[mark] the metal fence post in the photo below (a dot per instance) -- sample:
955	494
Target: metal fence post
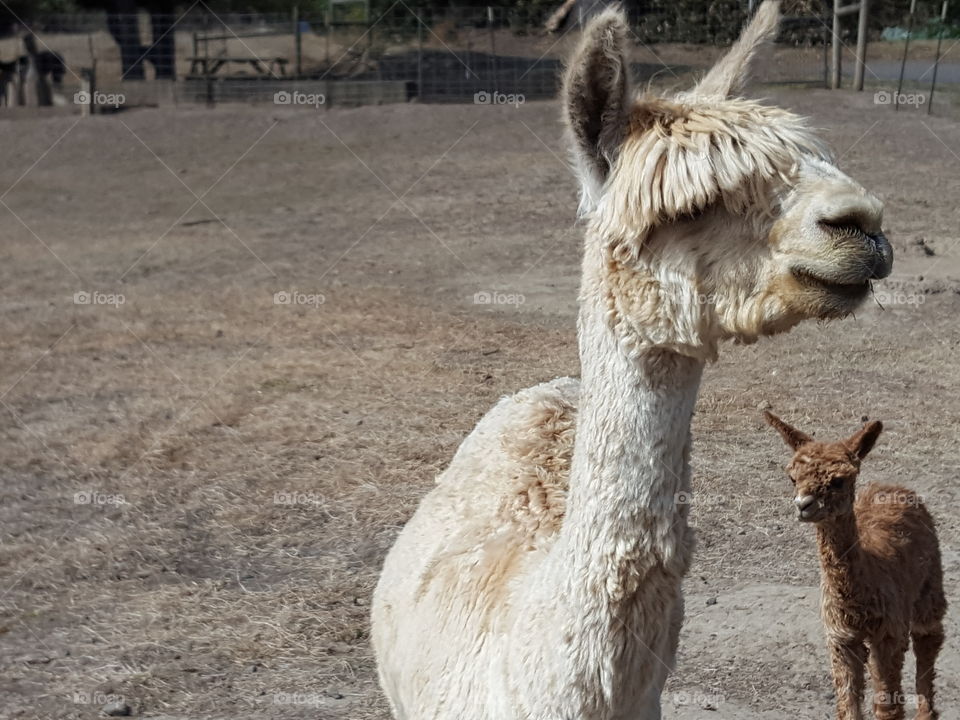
297	42
936	62
328	84
328	23
826	51
861	46
420	56
903	62
493	50
206	59
835	47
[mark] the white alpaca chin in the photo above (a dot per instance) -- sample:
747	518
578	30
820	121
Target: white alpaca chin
541	578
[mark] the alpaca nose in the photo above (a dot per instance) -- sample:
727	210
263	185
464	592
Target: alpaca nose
804	502
883	261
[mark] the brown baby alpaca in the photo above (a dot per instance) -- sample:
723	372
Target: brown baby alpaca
881	577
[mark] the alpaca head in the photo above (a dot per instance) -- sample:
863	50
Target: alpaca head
824	475
714	217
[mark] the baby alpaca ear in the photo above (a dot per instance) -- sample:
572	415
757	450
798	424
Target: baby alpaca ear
862	442
793	437
596	97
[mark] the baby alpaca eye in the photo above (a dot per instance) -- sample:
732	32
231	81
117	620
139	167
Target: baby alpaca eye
837	483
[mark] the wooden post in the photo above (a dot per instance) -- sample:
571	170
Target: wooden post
838	12
297	40
861	46
88	86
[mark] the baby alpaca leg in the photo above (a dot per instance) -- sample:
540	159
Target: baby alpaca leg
926	646
886	669
847	658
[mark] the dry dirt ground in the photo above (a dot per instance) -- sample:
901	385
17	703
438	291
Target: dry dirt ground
199	483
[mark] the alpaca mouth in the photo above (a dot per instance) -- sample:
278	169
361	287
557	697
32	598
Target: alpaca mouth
808	515
847	291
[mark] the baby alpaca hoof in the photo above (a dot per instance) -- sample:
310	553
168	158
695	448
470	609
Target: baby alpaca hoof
924	711
885	713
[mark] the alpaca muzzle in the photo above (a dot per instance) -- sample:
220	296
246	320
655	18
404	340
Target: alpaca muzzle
807	507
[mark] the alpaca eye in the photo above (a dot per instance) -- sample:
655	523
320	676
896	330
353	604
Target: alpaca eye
844	227
837	483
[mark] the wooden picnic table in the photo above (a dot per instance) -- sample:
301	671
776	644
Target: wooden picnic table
202	66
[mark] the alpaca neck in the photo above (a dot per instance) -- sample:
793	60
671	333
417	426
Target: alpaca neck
611	581
838	542
624	527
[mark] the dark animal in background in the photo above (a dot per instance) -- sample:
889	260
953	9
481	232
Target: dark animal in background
11	81
47	68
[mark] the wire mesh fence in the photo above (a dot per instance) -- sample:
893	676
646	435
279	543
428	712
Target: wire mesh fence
467	54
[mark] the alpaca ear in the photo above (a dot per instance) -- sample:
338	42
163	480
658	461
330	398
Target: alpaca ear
862	442
596	97
793	437
731	73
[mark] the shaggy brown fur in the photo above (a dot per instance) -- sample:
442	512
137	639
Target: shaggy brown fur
881	573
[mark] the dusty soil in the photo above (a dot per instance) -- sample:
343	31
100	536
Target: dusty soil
200	482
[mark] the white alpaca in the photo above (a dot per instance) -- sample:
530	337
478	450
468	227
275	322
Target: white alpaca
541	578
